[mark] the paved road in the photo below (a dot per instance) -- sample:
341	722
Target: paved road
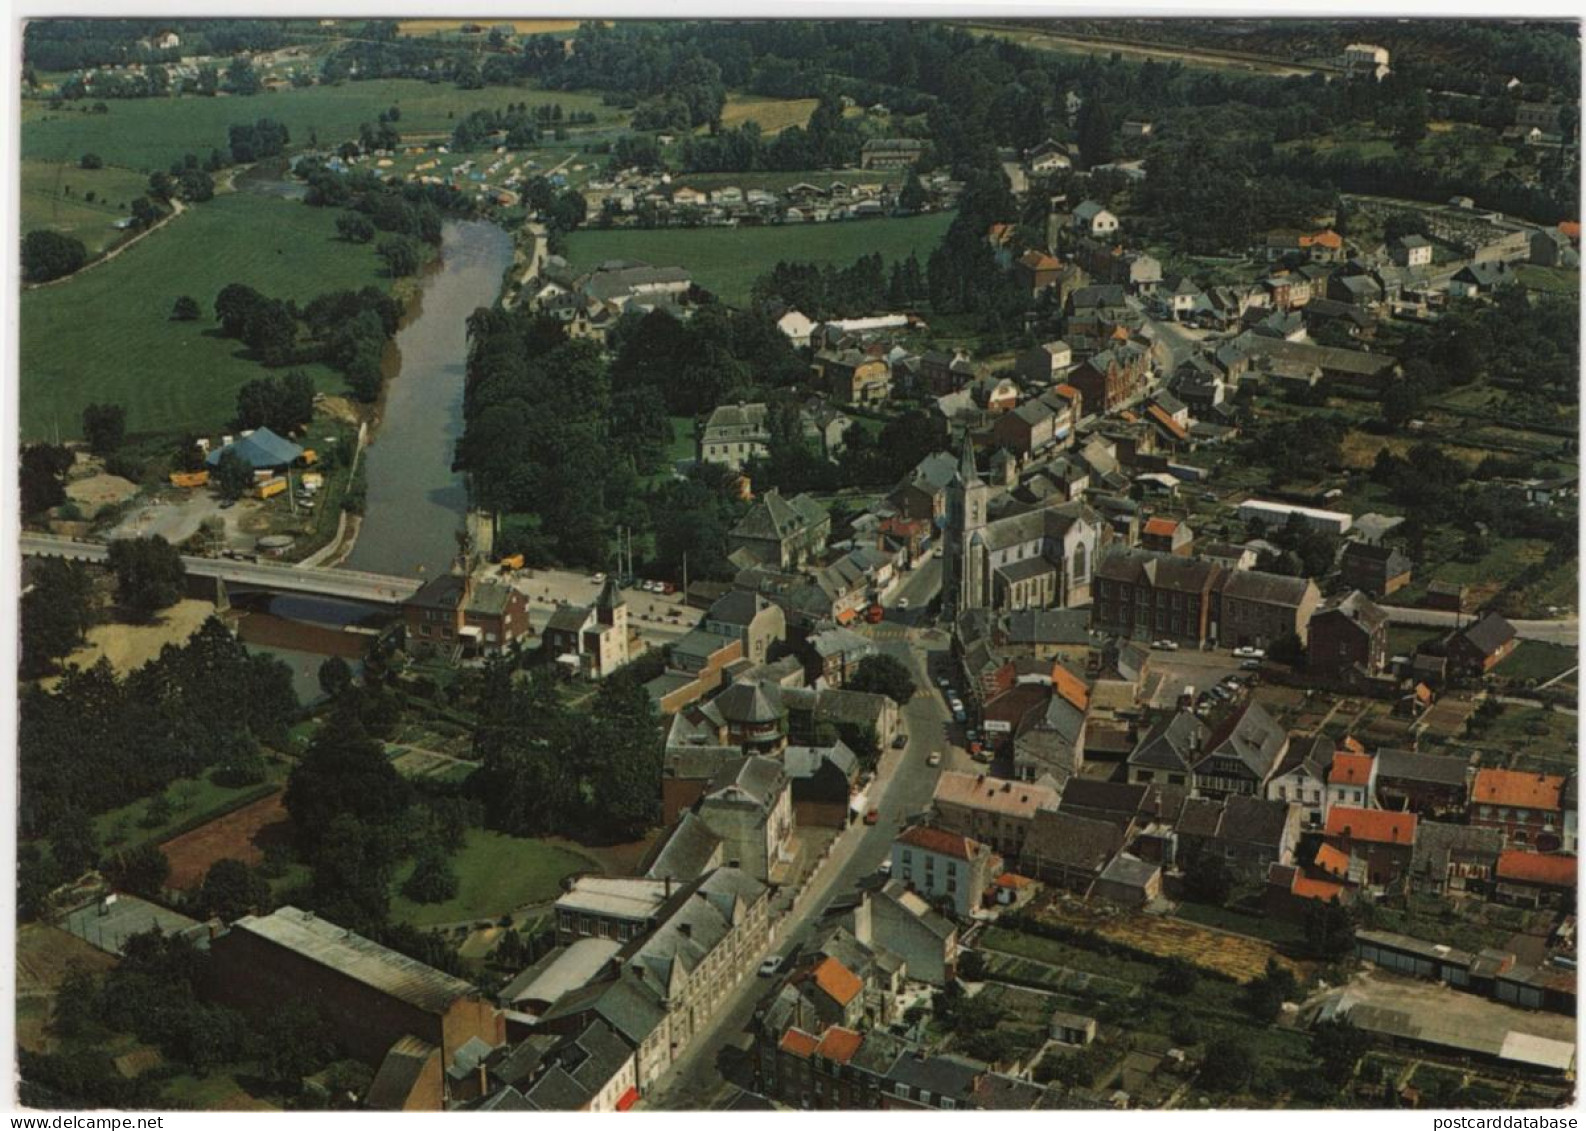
1564	630
905	786
919	588
344	584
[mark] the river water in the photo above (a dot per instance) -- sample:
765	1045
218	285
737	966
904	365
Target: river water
415	501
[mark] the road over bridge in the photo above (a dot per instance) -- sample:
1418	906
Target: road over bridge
340	584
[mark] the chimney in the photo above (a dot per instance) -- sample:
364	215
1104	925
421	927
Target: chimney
668	894
687	929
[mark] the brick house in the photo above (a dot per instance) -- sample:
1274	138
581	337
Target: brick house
1380	845
1151	596
1034	271
1349	633
1375	570
1482	646
1112	378
1528	808
1258	609
454	610
1167	536
947	869
1431	785
994	812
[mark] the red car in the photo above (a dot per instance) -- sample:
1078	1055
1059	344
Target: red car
873	817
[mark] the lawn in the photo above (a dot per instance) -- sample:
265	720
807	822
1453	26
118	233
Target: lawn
106	335
496	874
1539	661
1540	740
192	799
54	196
1550	280
728	260
1241	922
151	133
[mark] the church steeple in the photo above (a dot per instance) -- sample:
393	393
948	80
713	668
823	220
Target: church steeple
966	463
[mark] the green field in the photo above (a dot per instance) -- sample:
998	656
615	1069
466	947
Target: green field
106	335
146	134
47	203
193	800
727	261
496	874
1538	660
1552	280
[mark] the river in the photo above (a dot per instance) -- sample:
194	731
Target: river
415	501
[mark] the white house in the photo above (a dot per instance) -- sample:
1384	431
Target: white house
797	327
1094	219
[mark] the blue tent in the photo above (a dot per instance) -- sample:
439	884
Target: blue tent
263	448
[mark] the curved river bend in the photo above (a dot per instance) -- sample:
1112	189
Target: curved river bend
415	502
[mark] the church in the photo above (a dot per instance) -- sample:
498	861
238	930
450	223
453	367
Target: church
1000	552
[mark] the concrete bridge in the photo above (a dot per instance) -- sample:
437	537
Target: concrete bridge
340	584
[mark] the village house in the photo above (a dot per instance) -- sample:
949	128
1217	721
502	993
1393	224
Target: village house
1035	271
996	813
1044	364
949	870
592	641
1249	833
1155	596
1348	634
1069	851
823	782
1430	785
609	907
1375	570
1477	649
1259	609
1112	378
1450	859
735	434
1094	219
1169	751
456	611
783	533
1351	781
1380	845
1527	807
750	619
890	152
1161	535
1302	776
1241	754
852	377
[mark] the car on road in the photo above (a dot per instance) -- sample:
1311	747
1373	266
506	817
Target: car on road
873	817
900	742
935	759
1251	664
770	966
885	868
598	578
227	504
1248	653
943	682
902	603
959	716
1165	645
1222	693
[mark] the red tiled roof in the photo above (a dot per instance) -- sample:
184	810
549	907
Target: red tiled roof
939	841
1570	228
1535	868
839	1044
1162	526
1039	261
840	984
1307	888
1350	769
1377	826
1157	414
1066	390
1351	744
1070	687
1332	861
799	1043
1517	790
1013	880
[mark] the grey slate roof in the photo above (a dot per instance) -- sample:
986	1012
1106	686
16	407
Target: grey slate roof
1172	744
775	518
1130	871
1265	588
1489	634
738	608
1409	765
1251	736
1082	843
1048	626
686	852
1361	609
755	779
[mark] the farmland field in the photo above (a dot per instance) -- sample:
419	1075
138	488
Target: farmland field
151	133
770	114
46	203
727	261
106	335
241	835
496	874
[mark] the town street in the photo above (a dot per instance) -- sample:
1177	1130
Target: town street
904	786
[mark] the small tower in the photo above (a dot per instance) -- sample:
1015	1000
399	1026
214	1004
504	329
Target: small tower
611	611
1004	468
968	498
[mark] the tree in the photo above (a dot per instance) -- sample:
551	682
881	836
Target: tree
400	257
186	309
335	676
104	427
433	879
56	612
353	864
1338	1046
1177	977
233	474
50	255
1229	1066
345	772
1095	131
74	845
1264	996
912	197
1330	930
281	404
1208	879
355	228
232	889
1401	403
91	161
43	476
886	675
149	574
142	870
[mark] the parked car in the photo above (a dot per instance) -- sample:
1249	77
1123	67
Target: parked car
1250	653
1166	645
935	759
900	742
903	603
873	817
885	868
1250	665
598	578
770	966
959	716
